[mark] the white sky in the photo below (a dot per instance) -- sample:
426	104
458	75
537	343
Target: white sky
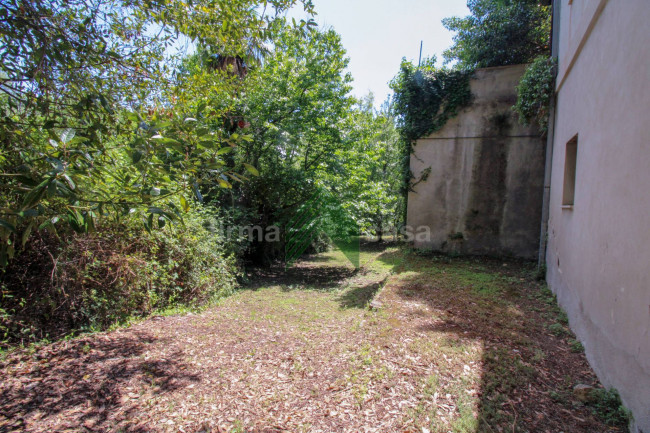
378	33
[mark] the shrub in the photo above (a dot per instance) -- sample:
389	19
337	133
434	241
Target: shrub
76	281
534	92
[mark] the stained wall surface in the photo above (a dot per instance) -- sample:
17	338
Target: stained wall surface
483	194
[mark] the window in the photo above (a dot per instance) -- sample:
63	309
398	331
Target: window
568	195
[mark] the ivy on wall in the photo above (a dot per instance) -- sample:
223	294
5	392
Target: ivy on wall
426	97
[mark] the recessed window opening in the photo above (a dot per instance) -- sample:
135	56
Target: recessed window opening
568	196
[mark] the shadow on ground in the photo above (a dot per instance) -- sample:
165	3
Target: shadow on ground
360	296
440	314
322	277
94	383
325	273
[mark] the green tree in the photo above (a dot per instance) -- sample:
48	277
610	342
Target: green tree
499	32
87	127
292	110
367	170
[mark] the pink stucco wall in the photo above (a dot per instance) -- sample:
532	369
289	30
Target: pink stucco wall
598	254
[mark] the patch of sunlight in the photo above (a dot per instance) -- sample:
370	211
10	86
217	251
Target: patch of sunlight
514	311
377	260
451	398
408	275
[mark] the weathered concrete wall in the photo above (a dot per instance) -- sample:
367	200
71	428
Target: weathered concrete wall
487	175
598	254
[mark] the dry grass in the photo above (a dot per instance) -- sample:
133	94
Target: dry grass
458	346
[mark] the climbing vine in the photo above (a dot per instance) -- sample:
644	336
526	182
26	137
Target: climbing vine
425	98
534	92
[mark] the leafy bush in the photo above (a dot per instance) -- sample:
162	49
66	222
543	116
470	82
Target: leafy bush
97	279
95	122
534	92
298	108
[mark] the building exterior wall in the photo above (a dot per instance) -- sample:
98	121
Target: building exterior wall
598	254
484	191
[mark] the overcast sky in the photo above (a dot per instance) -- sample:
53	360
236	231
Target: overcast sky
378	33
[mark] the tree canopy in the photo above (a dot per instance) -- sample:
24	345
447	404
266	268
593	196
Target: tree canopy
305	133
122	156
499	32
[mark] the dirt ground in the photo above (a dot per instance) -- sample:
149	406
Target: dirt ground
447	345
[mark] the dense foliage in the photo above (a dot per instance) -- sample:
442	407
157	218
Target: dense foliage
295	103
88	129
304	133
500	32
116	149
365	173
534	92
98	155
426	97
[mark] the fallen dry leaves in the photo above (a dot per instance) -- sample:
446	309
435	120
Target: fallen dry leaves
299	351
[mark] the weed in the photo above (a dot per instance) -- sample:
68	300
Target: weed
544	294
607	405
539	356
503	373
576	346
456	236
238	427
466	422
558	330
429	388
485	283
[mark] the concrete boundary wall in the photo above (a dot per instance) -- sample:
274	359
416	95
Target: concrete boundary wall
483	194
